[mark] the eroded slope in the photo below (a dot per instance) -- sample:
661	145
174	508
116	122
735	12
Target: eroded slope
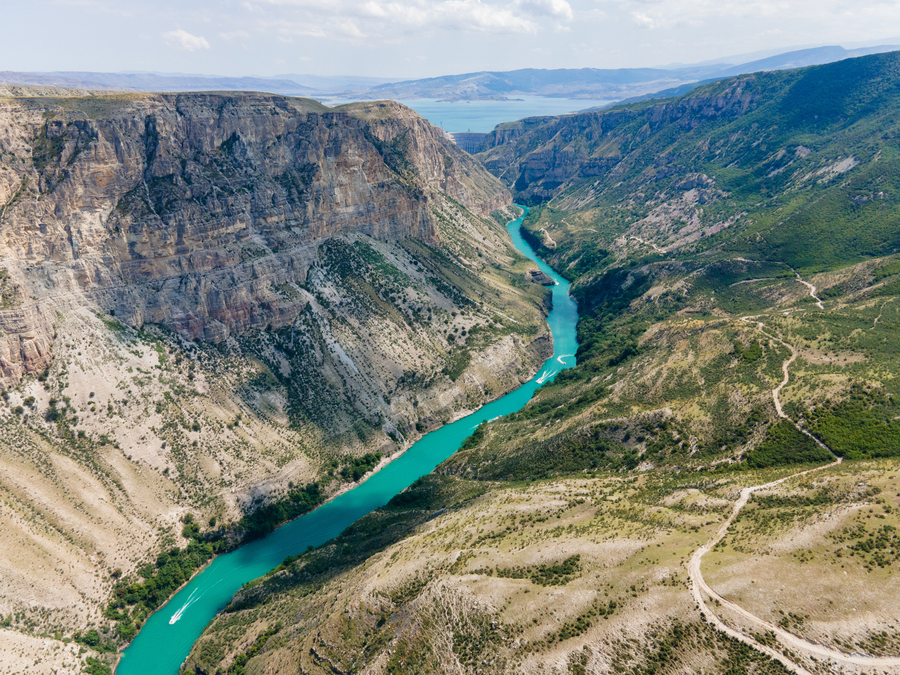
734	256
218	311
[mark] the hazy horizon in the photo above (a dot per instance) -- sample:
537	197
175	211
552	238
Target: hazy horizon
410	39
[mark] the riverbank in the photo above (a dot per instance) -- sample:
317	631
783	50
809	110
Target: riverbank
235	544
211	590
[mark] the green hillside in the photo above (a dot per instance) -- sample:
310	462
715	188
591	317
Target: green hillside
718	206
734	254
795	166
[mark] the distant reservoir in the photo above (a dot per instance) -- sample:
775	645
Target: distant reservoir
482	116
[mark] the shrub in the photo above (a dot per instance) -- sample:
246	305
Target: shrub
785	444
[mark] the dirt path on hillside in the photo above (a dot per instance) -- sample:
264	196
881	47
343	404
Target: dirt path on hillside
647	243
810	287
812	290
880	314
699	585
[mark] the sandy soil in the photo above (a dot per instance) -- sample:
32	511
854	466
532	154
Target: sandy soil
25	655
793	578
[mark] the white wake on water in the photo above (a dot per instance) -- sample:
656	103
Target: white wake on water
490	420
547	374
191	600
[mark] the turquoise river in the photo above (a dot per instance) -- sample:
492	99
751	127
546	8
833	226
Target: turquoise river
166	638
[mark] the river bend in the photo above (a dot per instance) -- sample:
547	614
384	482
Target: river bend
168	635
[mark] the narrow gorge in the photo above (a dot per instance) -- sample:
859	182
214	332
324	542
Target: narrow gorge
220	312
213	307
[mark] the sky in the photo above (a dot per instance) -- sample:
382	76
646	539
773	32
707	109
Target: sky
417	38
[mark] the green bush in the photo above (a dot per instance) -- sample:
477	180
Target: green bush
785	444
861	427
96	667
357	467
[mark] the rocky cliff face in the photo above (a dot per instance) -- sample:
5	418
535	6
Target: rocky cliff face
187	210
222	297
413	147
540	157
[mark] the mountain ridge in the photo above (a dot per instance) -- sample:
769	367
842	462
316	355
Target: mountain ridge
584	83
598	83
218	310
735	258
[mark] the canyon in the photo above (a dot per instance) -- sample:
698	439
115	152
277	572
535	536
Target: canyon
219	311
672	503
210	298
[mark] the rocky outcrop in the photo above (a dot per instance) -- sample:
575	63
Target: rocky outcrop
538	277
540	157
431	155
27	335
190	210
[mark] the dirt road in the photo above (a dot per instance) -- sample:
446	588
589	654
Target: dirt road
699	587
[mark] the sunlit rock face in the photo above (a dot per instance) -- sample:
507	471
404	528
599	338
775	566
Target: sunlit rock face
190	210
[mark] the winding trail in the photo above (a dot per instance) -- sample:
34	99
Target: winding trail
699	585
647	243
880	314
812	289
548	240
748	281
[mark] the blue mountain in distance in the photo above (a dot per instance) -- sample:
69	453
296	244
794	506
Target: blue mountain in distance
804	57
586	83
335	83
616	84
152	82
796	59
595	83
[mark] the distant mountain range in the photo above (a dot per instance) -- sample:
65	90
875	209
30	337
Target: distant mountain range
581	83
594	83
584	83
800	58
154	82
325	84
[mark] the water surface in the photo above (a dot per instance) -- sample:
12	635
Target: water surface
483	116
166	638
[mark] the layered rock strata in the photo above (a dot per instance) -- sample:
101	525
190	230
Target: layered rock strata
186	210
208	299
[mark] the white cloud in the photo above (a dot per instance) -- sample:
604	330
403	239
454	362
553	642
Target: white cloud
356	19
669	13
234	35
386	37
555	8
184	40
642	20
